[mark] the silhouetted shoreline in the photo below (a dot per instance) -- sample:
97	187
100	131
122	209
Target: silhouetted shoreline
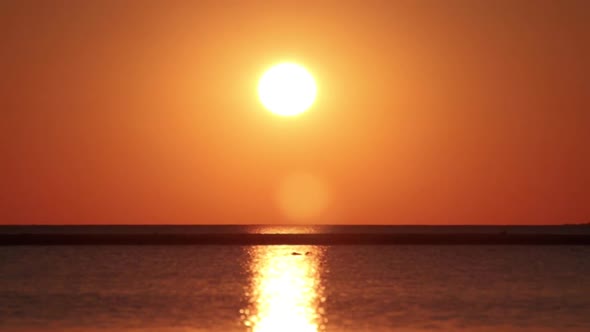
294	239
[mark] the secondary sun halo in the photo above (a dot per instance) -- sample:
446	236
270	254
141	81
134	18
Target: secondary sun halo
287	89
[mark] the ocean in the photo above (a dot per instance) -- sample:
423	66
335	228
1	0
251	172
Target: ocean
304	288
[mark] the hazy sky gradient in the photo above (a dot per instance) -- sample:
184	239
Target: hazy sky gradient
430	112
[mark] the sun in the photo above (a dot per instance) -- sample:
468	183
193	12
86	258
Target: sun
287	89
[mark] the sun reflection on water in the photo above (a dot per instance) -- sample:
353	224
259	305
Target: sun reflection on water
285	292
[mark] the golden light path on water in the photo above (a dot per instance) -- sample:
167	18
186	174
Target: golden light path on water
286	292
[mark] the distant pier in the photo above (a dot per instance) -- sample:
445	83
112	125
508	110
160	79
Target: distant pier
294	239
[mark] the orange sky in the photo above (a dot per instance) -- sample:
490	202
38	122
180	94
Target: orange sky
428	112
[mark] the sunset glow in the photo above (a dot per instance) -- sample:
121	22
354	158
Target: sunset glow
406	112
295	166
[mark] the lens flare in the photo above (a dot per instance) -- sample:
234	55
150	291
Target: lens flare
302	197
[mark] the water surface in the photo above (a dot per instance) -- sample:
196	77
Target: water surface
269	288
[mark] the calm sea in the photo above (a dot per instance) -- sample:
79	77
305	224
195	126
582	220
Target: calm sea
294	288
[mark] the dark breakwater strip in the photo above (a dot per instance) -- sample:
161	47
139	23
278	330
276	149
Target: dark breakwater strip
293	239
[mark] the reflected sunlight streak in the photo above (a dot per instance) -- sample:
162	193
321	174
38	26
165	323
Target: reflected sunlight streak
286	292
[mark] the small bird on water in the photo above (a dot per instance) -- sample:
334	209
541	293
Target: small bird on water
295	253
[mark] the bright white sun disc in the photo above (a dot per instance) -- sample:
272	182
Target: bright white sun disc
287	89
